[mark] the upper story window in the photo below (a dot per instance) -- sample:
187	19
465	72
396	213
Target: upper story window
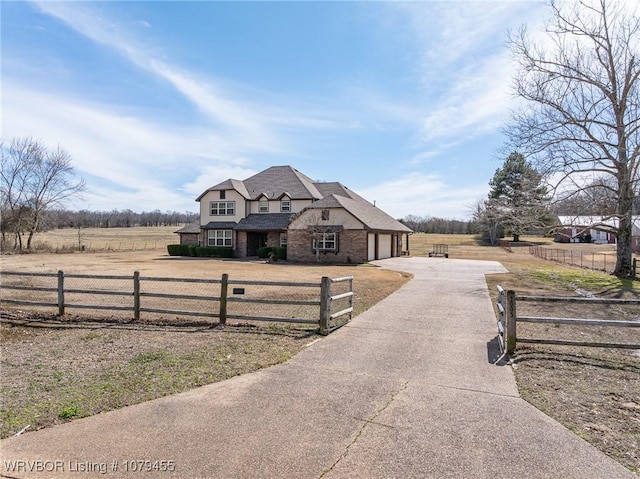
325	215
285	206
227	208
223	194
263	206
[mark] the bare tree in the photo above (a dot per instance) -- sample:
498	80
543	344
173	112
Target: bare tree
581	116
488	215
34	180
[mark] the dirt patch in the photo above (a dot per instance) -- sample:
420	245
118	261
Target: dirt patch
593	392
55	369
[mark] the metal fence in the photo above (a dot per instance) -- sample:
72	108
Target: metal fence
328	303
598	261
99	246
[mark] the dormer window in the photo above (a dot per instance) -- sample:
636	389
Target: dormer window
263	206
285	206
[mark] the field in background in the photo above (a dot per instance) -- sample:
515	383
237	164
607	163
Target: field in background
107	239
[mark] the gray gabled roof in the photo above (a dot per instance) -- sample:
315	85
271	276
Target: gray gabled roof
337	188
191	228
265	222
229	184
373	218
275	181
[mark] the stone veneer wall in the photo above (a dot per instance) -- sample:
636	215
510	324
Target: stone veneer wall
352	247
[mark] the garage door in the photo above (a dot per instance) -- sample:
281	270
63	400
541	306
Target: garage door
384	246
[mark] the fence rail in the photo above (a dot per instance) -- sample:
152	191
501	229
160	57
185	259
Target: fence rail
328	303
508	318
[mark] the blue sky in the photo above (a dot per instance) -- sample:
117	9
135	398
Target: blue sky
157	101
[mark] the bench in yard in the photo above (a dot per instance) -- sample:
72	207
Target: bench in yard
440	250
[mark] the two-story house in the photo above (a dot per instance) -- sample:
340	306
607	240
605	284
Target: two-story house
280	206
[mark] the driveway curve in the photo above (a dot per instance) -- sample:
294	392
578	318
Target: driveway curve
406	390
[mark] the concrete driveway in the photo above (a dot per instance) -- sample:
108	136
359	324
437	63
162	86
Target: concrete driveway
407	390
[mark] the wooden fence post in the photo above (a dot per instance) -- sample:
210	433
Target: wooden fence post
60	293
325	305
224	287
136	295
510	322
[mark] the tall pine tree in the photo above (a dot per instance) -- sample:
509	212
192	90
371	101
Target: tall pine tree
518	193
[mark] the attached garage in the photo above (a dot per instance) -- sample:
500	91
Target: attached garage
379	246
384	246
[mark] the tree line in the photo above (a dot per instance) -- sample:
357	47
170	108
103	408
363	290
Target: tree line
430	224
116	218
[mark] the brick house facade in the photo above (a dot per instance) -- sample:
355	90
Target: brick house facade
280	206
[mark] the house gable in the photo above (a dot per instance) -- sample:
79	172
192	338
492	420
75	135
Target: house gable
213	208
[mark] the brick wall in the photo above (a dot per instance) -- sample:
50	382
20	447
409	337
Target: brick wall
241	244
189	238
273	239
352	247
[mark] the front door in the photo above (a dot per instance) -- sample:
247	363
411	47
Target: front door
255	241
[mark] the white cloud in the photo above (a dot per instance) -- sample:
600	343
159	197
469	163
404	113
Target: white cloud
465	65
212	175
422	195
127	160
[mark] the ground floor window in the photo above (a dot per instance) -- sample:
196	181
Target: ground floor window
283	240
220	238
325	241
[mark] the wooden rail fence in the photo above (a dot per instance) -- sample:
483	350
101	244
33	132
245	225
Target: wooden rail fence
140	300
508	319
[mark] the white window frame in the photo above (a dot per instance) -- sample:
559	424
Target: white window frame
220	238
285	206
325	241
222	208
283	240
263	206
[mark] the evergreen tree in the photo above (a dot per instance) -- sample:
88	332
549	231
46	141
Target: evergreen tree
519	195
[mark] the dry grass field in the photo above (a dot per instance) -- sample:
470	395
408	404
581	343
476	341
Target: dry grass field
107	239
56	369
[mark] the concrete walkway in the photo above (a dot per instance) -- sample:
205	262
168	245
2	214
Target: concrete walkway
407	390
